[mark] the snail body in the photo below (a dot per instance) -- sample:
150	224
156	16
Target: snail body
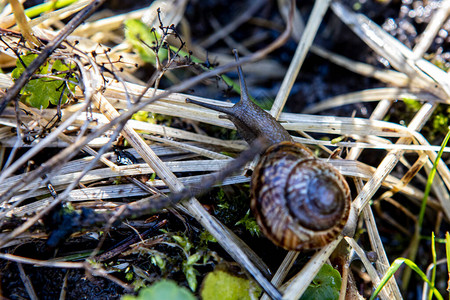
299	202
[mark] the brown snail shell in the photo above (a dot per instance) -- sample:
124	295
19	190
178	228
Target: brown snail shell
299	202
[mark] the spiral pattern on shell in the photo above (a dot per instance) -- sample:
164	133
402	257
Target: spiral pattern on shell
299	201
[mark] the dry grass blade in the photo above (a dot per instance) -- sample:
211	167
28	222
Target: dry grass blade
368	265
22	21
42	263
372	95
388	76
432	29
232	26
393	55
194	149
27	282
382	263
60	13
282	271
401	58
319	10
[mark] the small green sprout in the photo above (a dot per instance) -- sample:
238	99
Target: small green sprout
249	222
196	255
189	269
158	260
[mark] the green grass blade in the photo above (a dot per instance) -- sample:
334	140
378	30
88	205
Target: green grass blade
418	228
47	6
433	271
447	251
394	267
430	181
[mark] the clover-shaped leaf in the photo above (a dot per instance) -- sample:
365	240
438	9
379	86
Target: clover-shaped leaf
326	285
40	92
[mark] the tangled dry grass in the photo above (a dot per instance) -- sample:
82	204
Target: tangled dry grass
108	94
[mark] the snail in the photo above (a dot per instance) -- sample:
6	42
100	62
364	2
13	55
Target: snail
299	202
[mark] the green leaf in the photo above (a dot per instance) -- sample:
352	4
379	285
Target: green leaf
42	91
39	93
27	59
326	285
221	285
164	289
183	241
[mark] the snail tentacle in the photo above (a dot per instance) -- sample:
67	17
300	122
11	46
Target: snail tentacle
223	109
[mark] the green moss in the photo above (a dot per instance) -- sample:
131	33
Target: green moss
231	205
221	285
412	105
249	222
143	116
437	126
